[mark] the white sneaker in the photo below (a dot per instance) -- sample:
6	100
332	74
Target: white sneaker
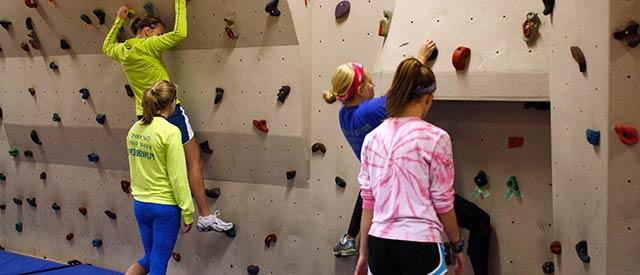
212	222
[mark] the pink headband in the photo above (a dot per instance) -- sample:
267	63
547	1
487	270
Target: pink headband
355	84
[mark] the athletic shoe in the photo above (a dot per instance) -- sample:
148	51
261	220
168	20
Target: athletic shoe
345	247
213	223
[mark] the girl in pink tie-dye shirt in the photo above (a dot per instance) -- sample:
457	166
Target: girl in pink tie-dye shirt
406	180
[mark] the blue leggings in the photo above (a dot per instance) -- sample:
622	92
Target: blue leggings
159	225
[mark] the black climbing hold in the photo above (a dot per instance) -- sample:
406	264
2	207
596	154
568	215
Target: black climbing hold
28	154
111	215
205	148
35	138
270	239
212	192
56	117
578	56
342	9
3	177
31	3
24	46
253	270
481	179
96	243
32	91
17	201
548	268
3	206
582	250
93	157
548	6
219	94
630	33
341	182
283	93
126	186
100	14
433	55
83	210
272	8
34	41
84	93
32	202
19	227
5	24
291	174
101	118
14	152
29	23
69	237
539	105
53	66
74	262
593	137
176	256
43	175
64	44
318	147
1	113
148	8
130	93
55	206
231	233
86	19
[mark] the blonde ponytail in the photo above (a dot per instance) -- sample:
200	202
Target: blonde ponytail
156	99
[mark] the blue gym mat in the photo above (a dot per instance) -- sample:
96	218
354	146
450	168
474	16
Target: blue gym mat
11	263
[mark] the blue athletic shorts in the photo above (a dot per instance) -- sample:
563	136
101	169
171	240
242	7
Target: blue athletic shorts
180	120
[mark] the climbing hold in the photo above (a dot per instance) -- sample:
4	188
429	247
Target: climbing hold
481	180
131	13
283	93
55	206
100	14
29	23
24	46
270	239
341	182
515	142
272	8
460	55
32	202
212	192
231	233
93	157
433	55
111	215
43	175
130	93
32	91
540	106
31	3
74	262
19	227
3	177
84	93
35	138
96	243
556	247
53	66
87	21
33	40
5	24
318	147
530	28
101	119
204	146
582	250
69	237
630	33
578	56
3	206
627	133
385	23
342	9
261	125
291	174
176	256
219	94
126	186
64	44
548	6
548	268
148	8
17	201
28	154
83	210
52	3
593	137
230	29
512	188
56	117
253	270
14	152
1	113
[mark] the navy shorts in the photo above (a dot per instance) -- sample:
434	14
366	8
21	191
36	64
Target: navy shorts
180	120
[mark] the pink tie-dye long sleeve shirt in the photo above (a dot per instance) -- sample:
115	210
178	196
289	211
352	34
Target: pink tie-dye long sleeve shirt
406	177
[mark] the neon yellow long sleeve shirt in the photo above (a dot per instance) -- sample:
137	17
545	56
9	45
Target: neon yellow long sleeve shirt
158	167
141	58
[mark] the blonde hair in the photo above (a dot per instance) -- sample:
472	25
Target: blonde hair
410	74
341	81
157	98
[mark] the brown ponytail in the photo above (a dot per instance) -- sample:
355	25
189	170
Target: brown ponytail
411	73
156	99
138	23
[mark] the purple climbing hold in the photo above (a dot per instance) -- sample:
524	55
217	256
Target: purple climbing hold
342	9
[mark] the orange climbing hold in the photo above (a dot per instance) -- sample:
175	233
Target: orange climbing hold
460	55
31	3
515	142
261	125
627	133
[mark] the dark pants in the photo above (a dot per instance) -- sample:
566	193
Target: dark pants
469	216
394	257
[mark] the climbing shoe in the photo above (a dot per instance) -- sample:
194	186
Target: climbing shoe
213	223
345	247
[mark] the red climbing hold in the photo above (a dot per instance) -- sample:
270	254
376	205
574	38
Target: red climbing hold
69	237
460	55
385	23
556	247
627	133
515	142
261	125
31	3
25	47
126	186
270	239
578	56
176	256
83	210
204	147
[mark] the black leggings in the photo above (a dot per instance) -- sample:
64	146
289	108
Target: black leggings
391	257
469	215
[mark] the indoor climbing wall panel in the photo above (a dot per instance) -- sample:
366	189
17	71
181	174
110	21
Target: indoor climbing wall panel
502	66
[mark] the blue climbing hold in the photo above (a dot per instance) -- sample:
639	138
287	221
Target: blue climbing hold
101	118
272	8
231	233
96	243
593	137
93	157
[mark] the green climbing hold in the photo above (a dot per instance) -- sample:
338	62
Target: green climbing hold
56	117
19	227
14	152
481	181
148	8
512	188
